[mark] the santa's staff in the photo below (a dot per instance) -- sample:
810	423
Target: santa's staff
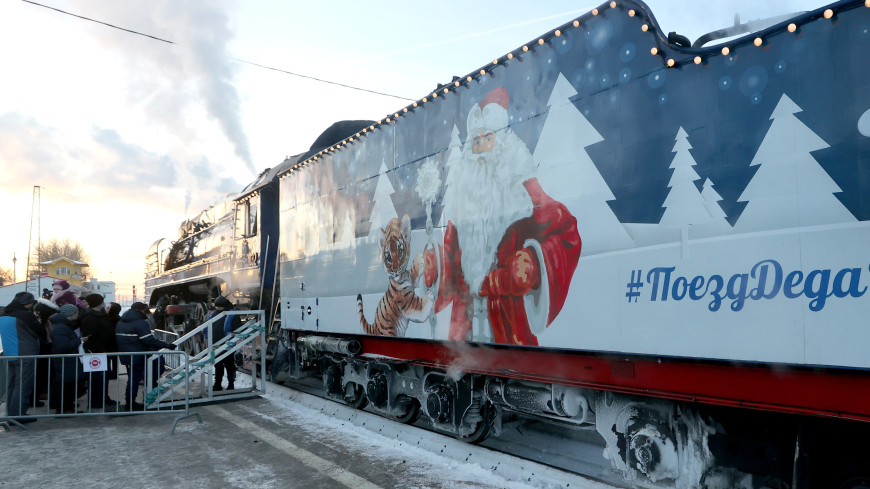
428	184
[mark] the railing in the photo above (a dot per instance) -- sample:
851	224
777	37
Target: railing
36	373
200	365
167	376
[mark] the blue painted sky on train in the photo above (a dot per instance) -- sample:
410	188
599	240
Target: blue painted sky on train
128	135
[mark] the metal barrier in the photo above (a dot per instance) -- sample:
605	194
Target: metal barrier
29	378
212	352
168	337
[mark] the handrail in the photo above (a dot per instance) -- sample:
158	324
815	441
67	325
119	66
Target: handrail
213	353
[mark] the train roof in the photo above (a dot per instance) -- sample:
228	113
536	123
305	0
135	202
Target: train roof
338	131
267	176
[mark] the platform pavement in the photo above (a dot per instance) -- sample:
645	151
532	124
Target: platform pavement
244	444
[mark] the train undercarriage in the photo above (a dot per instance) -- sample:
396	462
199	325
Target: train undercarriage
650	443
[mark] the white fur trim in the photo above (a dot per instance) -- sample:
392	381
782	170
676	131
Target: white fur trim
537	302
492	118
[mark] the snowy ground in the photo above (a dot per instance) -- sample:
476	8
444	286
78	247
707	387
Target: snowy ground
433	457
283	440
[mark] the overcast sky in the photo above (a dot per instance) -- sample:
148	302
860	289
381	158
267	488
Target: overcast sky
127	135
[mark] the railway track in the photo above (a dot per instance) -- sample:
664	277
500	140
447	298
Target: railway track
527	450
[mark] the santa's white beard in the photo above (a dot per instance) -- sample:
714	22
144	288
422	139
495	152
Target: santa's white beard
484	197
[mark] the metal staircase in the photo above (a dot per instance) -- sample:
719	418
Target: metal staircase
174	386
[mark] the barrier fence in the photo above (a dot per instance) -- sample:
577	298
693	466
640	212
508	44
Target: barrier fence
50	386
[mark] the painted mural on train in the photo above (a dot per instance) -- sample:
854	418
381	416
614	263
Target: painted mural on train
582	196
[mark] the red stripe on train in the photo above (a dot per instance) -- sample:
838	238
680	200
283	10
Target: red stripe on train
821	392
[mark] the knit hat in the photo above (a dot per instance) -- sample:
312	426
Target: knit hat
24	298
48	303
63	284
222	301
68	310
94	300
141	307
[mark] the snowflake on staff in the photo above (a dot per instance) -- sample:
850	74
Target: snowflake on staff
428	181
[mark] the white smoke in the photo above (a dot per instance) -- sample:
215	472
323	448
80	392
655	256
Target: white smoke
169	82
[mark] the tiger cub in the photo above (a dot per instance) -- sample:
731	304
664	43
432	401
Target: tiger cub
400	304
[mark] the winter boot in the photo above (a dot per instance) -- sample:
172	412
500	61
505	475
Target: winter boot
232	380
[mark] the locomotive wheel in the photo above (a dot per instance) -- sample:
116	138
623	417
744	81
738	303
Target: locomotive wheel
412	412
481	431
857	483
355	396
200	313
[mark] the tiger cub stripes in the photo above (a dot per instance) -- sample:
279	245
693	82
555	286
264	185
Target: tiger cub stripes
399	304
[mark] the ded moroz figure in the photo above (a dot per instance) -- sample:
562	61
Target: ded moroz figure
509	249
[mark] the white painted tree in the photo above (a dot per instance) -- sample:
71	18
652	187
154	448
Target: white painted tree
684	205
347	235
383	210
790	188
455	148
711	201
453	158
567	173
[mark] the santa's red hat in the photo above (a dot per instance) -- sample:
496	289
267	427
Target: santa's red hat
491	114
498	96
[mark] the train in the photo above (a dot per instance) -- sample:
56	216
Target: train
607	227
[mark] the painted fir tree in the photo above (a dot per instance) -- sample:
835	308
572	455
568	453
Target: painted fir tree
568	174
711	202
383	210
684	205
790	188
348	233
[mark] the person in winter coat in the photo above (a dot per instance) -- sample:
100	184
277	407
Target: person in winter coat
19	335
97	327
220	328
43	309
62	295
64	340
134	335
114	312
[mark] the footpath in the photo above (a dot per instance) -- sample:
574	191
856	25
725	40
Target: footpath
261	442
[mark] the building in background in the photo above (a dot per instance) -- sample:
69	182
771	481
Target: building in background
40	284
70	270
104	288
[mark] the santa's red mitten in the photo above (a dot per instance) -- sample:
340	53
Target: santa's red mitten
430	269
520	274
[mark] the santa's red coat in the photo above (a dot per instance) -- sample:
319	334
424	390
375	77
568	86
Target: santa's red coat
553	227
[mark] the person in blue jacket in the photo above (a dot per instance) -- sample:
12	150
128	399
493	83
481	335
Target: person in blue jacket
133	334
19	335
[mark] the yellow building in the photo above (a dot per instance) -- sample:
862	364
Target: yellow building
70	270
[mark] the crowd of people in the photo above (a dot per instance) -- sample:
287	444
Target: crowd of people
62	323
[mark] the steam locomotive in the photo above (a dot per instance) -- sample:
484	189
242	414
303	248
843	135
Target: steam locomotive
605	227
